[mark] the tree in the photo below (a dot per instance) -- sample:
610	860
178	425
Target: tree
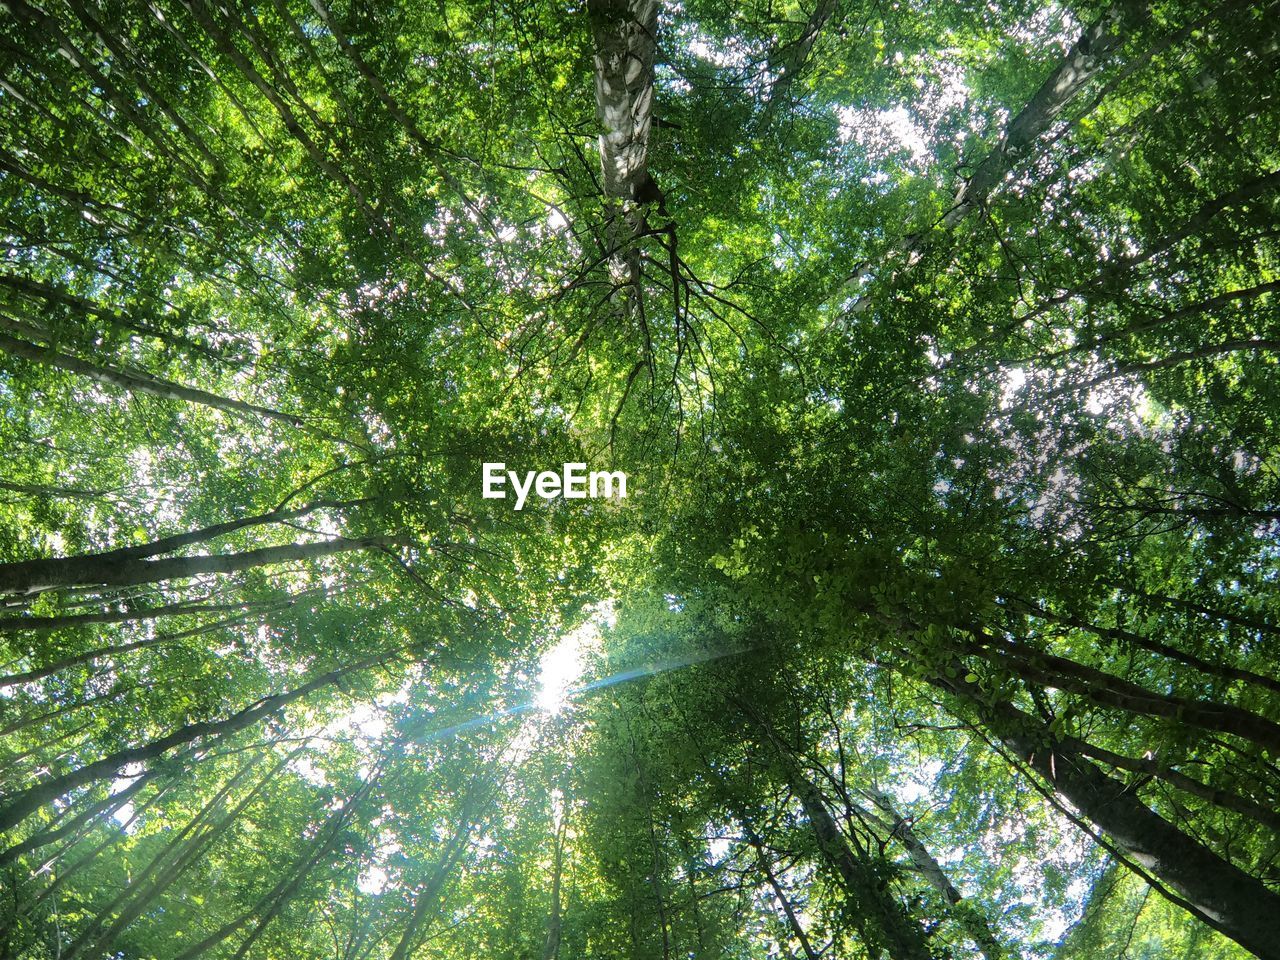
937	342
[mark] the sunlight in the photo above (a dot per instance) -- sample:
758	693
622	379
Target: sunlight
561	666
373	880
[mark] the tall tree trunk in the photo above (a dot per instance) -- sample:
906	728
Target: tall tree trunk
1087	56
1221	894
427	898
1107	690
134	382
883	923
269	905
793	921
788	62
551	948
26	576
196	848
971	919
26	802
1211	668
88	656
99	571
624	33
1225	799
170	852
107	805
182	608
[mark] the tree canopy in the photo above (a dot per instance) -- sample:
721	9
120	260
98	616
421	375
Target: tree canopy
938	343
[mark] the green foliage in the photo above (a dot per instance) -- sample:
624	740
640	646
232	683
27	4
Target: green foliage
941	620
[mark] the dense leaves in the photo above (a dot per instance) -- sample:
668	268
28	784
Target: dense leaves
938	342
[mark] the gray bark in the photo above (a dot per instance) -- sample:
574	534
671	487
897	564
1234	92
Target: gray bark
973	922
22	804
1224	896
1087	56
134	382
95	571
624	34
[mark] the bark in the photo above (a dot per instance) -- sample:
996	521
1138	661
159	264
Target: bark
122	53
134	382
624	33
63	569
273	901
1229	298
107	805
26	802
1114	270
789	61
1190	606
625	37
1171	360
973	922
784	901
1083	61
1224	896
427	898
40	490
1127	637
172	847
96	572
142	897
88	656
1087	56
102	313
113	837
1225	799
121	100
201	11
183	608
1111	691
551	947
885	924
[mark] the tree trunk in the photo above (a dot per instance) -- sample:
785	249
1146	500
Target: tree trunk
884	923
134	382
107	805
624	33
784	901
195	849
551	948
183	608
1221	894
1225	799
973	922
1211	668
102	570
88	656
1111	691
64	571
273	901
22	804
792	58
171	848
427	898
1083	61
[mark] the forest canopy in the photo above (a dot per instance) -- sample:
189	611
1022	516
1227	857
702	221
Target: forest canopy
937	343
